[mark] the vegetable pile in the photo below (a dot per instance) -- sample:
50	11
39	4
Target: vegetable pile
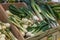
56	9
32	19
5	32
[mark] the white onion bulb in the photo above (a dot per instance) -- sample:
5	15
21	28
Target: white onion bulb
24	19
29	34
3	35
35	18
0	27
0	33
7	24
2	38
3	27
25	26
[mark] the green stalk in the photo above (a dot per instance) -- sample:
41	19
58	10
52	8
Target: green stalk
56	8
51	11
50	16
11	35
40	26
14	21
3	31
31	13
38	8
36	11
17	18
18	26
7	38
28	12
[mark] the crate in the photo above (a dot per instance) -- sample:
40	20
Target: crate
4	18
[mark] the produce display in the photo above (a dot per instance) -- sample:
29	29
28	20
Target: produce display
36	18
5	32
33	19
54	6
56	9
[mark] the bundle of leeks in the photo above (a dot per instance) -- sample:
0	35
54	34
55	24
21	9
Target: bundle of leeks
21	23
47	18
5	33
32	20
56	9
48	15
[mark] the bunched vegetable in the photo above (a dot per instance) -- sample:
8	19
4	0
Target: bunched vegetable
5	32
33	20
